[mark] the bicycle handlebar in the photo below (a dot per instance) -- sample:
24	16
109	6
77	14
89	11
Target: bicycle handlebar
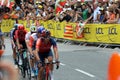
46	63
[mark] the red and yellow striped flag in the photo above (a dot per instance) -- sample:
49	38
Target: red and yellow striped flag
68	32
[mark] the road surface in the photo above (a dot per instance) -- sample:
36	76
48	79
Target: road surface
77	62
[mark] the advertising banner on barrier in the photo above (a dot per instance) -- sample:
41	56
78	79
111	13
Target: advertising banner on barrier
51	27
41	22
89	32
59	29
24	22
7	25
102	33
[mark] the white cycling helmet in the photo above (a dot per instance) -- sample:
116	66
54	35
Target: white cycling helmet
33	28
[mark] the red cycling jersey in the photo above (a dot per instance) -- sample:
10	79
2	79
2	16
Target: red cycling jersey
20	34
45	47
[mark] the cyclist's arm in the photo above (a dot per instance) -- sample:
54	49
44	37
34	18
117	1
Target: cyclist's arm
17	40
30	45
37	50
55	49
27	41
2	37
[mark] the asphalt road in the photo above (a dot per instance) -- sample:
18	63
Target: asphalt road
77	62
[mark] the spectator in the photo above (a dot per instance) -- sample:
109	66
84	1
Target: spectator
112	15
115	5
84	11
102	17
96	11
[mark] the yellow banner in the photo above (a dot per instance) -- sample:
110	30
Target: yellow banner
7	25
101	33
51	26
59	29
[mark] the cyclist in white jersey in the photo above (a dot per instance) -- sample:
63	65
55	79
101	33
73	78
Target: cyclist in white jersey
33	29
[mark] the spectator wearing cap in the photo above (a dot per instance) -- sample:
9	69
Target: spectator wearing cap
102	17
84	11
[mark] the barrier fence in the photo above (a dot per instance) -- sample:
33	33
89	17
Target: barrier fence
103	33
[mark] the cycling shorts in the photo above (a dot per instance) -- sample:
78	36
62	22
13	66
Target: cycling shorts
42	56
23	44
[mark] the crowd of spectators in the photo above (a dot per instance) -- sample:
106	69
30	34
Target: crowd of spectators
73	11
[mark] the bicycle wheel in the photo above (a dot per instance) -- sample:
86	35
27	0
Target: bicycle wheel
48	76
26	65
17	58
44	75
28	69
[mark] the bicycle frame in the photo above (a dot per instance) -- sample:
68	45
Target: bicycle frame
24	66
46	71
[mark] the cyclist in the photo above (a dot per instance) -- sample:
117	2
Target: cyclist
43	50
32	42
33	29
13	42
1	40
20	37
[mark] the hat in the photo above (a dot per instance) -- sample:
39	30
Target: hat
101	9
67	4
40	6
83	3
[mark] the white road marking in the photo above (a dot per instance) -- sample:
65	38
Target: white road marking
62	64
86	73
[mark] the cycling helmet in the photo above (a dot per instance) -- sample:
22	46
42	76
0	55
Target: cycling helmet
15	26
40	29
20	27
45	34
33	28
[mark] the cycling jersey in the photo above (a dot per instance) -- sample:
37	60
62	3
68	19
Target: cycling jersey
27	36
1	39
43	47
33	39
20	34
1	34
12	34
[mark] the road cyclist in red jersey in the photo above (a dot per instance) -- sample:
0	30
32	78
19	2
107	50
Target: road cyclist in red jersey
32	43
44	51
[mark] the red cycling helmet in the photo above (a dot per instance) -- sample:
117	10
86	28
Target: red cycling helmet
21	27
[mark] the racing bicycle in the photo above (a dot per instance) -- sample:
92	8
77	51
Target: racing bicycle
46	70
23	63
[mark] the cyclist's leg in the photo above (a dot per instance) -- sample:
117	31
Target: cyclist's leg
14	52
51	66
50	59
40	69
32	63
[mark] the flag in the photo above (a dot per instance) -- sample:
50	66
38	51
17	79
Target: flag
78	33
7	3
59	3
68	32
2	2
